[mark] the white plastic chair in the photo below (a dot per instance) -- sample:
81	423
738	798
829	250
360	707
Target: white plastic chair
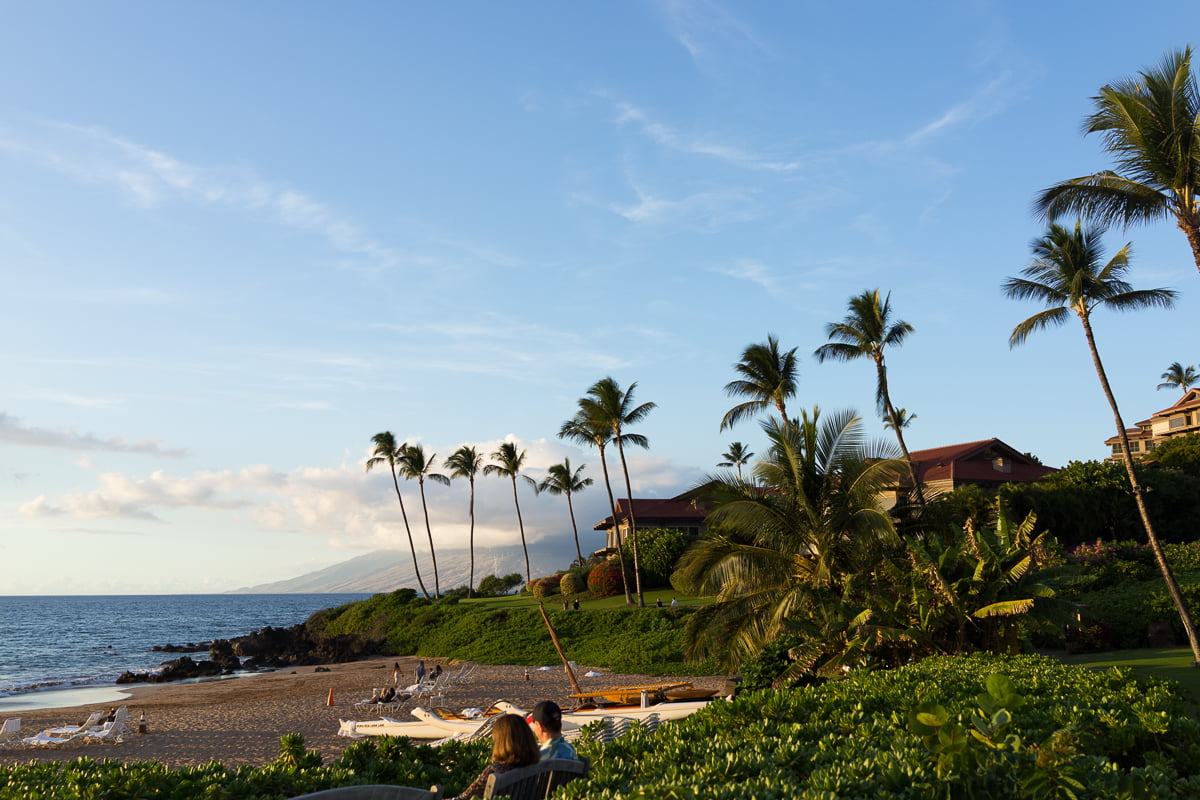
10	730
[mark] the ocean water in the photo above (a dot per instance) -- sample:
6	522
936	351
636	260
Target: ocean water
51	644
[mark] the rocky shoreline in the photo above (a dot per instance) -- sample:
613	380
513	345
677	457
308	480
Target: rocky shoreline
268	648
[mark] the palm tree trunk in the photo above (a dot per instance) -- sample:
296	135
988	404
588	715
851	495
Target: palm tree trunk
1191	228
521	526
637	572
471	514
437	589
408	530
574	527
1140	499
895	418
612	505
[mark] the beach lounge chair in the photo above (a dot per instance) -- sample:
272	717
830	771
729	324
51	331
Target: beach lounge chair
94	721
537	781
376	792
10	730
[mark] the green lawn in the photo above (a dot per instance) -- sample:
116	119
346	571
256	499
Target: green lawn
1174	663
525	600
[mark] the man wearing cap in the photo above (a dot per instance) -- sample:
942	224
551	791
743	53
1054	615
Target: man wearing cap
547	727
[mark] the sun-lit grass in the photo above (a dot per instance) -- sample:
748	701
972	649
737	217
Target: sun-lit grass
525	600
1173	663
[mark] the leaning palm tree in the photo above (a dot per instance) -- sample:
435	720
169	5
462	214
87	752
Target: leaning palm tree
583	430
867	329
561	480
606	403
767	377
466	462
388	452
1178	376
781	548
414	464
737	455
1151	125
1067	276
507	463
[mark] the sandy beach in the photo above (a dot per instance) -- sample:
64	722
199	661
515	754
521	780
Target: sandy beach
240	720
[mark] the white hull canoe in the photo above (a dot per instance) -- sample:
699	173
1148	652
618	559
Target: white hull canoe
665	711
456	724
385	726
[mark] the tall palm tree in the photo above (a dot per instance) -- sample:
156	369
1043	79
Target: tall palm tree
414	464
1178	376
767	377
560	480
1151	125
388	452
737	455
607	403
506	463
466	462
583	430
1067	276
865	332
780	559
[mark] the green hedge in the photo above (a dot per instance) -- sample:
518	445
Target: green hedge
637	640
932	730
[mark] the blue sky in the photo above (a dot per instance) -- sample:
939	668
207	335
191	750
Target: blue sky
239	239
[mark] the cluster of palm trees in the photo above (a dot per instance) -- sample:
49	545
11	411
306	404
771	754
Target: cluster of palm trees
605	412
777	558
1150	123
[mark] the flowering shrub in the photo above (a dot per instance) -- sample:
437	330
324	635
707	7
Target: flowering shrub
544	587
605	579
1102	552
572	583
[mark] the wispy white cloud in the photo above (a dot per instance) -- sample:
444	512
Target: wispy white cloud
706	29
707	210
149	177
668	137
13	431
746	269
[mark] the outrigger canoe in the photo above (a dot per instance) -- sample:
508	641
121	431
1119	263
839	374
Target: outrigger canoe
386	726
646	693
592	712
453	722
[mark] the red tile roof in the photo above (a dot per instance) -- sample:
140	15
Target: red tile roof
654	509
973	462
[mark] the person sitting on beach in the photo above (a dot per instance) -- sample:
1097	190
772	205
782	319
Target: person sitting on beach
547	727
513	746
437	672
387	695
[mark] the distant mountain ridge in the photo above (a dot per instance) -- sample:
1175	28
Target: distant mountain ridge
388	570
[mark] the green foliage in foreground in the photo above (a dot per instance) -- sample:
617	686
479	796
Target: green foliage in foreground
637	640
296	772
972	727
943	728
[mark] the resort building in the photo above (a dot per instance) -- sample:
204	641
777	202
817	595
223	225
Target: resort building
677	513
987	463
1177	420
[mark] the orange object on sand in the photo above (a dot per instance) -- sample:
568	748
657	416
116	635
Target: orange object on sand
329	702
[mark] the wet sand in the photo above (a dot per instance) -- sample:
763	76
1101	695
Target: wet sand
240	721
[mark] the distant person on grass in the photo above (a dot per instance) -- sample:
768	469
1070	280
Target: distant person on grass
513	746
547	727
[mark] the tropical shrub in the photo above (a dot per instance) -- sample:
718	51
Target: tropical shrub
979	726
545	587
572	583
605	579
658	549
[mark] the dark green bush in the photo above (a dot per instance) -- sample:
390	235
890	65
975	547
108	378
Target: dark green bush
943	728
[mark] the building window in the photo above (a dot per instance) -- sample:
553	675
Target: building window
1151	445
1177	422
1133	446
1117	448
